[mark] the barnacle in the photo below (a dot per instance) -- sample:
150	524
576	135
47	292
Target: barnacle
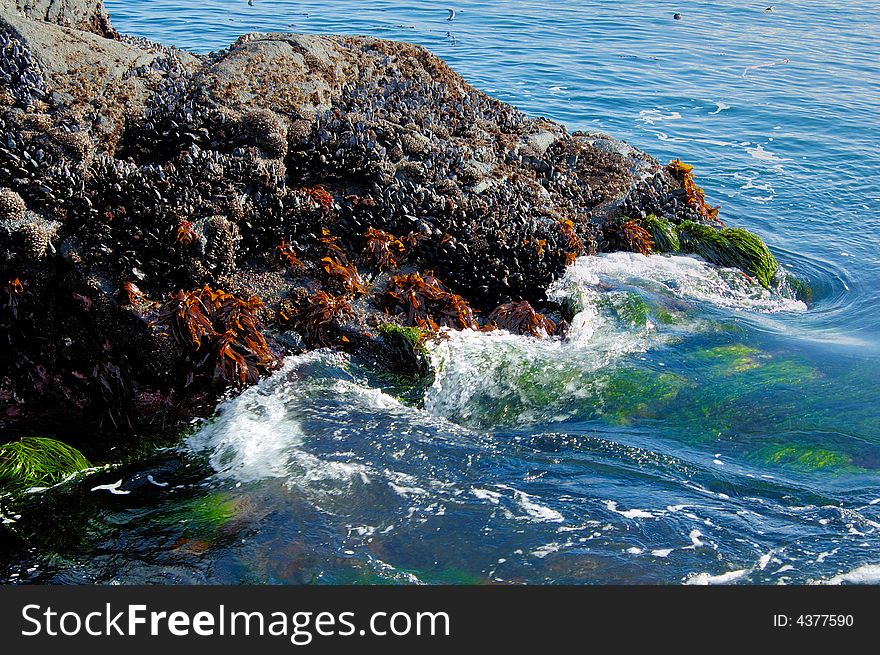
383	248
696	197
425	303
521	318
12	207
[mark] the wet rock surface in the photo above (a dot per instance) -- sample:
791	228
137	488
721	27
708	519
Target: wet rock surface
171	225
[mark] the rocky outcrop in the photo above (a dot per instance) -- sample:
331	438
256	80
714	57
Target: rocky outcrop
172	224
86	15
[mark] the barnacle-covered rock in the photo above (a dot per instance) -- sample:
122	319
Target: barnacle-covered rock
268	131
12	206
220	235
171	223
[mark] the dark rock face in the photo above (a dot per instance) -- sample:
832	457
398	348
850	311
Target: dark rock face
286	170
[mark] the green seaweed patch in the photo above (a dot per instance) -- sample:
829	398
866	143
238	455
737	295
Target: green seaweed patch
730	247
732	358
414	336
799	288
628	393
449	577
635	310
37	462
663	234
628	307
204	516
575	301
666	315
802	457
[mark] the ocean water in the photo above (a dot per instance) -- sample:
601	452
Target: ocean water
693	429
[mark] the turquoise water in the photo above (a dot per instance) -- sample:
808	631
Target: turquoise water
693	429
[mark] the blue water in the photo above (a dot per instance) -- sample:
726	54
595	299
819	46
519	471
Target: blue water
730	436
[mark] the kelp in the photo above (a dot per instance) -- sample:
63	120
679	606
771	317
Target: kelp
521	318
733	247
287	255
338	267
571	242
316	317
345	273
424	302
37	461
695	196
626	234
320	195
663	234
383	249
186	234
219	332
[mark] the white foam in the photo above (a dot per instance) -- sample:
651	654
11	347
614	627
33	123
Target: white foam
686	277
865	574
651	116
112	488
542	551
629	513
708	579
478	374
538	512
662	552
484	494
759	153
821	557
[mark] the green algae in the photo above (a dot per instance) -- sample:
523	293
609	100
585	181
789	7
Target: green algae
627	307
414	336
203	517
37	462
663	234
802	457
731	247
628	393
733	358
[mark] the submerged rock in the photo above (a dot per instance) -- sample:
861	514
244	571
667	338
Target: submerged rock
168	219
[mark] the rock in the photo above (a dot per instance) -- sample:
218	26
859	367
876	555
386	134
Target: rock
171	224
11	206
86	15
